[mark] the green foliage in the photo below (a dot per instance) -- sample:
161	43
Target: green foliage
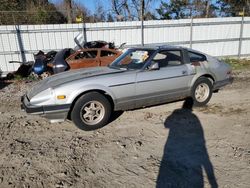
18	77
177	9
29	12
10	5
174	9
21	78
238	64
45	12
233	7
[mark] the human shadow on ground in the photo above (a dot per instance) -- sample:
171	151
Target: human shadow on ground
185	155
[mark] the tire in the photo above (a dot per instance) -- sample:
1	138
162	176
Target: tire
91	111
202	91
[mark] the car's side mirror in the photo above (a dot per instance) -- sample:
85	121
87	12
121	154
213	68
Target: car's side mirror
154	66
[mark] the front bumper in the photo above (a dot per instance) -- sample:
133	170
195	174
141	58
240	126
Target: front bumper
223	83
54	113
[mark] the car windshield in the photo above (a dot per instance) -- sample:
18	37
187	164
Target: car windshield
131	59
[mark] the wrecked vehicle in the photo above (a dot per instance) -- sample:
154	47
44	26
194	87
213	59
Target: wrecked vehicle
81	56
24	70
140	77
99	44
42	61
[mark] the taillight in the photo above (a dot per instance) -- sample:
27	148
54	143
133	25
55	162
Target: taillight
229	73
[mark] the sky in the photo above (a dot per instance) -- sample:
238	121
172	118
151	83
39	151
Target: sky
89	4
92	4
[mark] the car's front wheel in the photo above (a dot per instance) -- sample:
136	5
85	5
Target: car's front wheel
202	91
91	111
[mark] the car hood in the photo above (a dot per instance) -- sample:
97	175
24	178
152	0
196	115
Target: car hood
68	76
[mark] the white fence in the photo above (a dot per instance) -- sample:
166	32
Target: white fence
215	36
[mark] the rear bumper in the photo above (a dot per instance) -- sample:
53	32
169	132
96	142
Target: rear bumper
223	83
54	113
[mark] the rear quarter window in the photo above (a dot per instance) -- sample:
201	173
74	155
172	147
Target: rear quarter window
195	57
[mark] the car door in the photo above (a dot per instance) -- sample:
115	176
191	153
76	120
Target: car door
84	58
169	82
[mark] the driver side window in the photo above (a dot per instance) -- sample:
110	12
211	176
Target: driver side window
136	59
86	54
168	58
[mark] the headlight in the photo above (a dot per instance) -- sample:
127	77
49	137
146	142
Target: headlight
43	96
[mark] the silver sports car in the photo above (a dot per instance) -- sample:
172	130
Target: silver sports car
140	77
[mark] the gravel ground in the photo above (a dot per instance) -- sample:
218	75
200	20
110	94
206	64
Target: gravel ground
163	146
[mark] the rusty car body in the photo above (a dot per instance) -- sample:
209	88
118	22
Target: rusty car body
92	57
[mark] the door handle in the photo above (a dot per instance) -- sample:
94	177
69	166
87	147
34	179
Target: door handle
184	72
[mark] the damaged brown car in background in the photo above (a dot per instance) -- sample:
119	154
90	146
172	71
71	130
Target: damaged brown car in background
83	58
85	54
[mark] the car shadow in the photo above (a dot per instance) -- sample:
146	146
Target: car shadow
115	115
185	155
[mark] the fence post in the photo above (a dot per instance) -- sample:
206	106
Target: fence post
20	43
191	33
142	24
84	31
142	33
241	34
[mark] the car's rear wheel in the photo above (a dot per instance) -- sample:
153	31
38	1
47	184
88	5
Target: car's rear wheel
91	111
202	91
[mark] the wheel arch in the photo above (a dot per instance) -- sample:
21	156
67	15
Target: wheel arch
201	80
209	76
104	93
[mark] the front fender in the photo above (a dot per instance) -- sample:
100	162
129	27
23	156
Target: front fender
88	88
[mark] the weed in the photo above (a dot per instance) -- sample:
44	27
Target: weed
238	64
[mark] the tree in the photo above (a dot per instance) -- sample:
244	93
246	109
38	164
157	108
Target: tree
99	14
68	5
121	9
178	9
110	18
29	12
233	7
173	9
202	8
78	10
131	9
9	5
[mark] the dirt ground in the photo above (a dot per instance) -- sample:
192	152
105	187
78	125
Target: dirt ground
163	146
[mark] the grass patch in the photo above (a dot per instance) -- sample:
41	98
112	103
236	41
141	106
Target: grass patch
28	78
238	64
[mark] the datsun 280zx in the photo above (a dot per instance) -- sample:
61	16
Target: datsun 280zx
140	77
